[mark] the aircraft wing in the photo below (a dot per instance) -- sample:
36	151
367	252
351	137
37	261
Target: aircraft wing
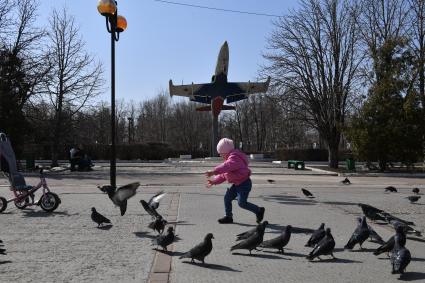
196	92
239	91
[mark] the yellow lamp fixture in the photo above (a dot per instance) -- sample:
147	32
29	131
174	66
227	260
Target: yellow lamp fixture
106	7
121	23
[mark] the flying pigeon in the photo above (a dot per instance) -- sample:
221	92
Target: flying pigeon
253	241
346	181
158	225
391	189
415	191
388	246
280	241
413	199
371	212
372	233
359	235
307	193
98	218
151	206
316	236
249	233
120	196
324	247
200	251
271	181
400	257
164	240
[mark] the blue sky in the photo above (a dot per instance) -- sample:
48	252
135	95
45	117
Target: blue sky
165	41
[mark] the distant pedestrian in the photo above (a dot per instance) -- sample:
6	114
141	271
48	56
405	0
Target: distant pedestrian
235	170
74	157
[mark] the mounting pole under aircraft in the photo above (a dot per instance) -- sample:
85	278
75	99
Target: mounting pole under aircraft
217	91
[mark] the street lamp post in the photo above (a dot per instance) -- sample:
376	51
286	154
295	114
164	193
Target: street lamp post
115	24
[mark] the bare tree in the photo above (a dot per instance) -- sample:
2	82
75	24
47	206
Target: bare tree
314	58
75	77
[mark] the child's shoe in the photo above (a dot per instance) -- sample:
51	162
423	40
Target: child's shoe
225	220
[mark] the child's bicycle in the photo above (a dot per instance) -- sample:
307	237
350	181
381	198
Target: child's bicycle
24	195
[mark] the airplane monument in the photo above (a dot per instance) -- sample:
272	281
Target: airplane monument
218	90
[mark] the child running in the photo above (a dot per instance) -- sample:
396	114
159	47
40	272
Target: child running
235	170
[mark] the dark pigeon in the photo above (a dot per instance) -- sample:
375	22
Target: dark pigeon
200	251
413	199
373	235
316	236
278	242
400	257
120	196
152	205
253	241
158	225
346	181
98	218
391	189
415	191
271	181
324	247
406	228
371	212
164	240
249	233
388	246
307	193
359	235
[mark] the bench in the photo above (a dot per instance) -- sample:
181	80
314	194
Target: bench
296	164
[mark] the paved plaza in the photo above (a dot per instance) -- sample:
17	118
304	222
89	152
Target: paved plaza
66	246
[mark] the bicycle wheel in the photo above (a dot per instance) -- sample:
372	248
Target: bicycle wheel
3	204
49	201
21	204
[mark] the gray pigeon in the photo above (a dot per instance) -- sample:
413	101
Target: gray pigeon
324	247
152	205
391	189
346	181
271	181
280	241
316	236
120	196
388	246
400	257
164	240
158	225
373	235
200	251
98	218
415	191
359	235
307	193
406	228
253	241
413	199
249	233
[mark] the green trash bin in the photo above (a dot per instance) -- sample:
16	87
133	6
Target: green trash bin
30	163
351	165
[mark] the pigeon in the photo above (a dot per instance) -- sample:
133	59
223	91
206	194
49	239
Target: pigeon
389	245
415	191
200	251
371	212
151	206
400	257
98	218
406	228
271	181
372	233
253	241
247	234
359	235
413	199
346	181
307	193
391	189
158	224
279	242
105	188
324	247
120	196
164	240
316	236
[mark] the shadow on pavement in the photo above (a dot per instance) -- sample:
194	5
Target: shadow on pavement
5	261
337	260
42	213
412	276
285	199
244	224
105	227
416	239
295	230
213	266
339	203
144	235
268	256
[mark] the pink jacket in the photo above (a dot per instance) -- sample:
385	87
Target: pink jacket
234	169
